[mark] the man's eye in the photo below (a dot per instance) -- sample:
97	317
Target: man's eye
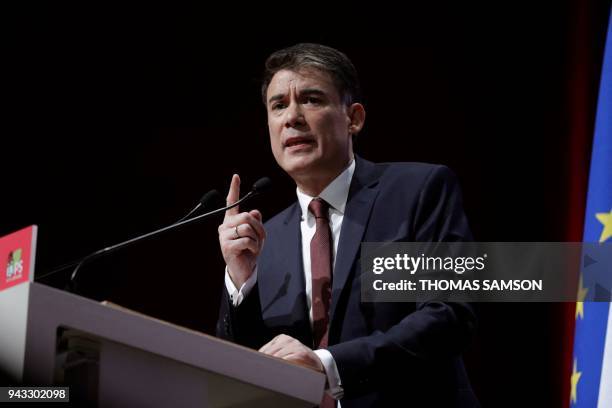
277	106
313	100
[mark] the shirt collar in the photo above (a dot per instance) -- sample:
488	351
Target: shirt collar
335	194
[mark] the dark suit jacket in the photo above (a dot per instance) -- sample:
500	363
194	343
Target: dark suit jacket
388	354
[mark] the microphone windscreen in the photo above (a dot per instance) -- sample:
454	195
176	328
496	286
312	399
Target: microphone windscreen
262	185
211	199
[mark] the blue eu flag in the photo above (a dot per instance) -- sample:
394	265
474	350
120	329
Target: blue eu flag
591	378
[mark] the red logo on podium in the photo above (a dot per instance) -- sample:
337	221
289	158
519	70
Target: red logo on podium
17	251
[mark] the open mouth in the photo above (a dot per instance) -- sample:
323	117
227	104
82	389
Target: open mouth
299	141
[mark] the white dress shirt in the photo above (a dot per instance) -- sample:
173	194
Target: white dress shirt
335	194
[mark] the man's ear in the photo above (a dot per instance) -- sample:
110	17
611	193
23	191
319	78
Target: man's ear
356	114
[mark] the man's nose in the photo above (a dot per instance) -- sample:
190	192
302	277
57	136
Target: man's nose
293	115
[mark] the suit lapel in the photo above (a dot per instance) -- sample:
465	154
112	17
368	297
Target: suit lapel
281	278
281	281
362	194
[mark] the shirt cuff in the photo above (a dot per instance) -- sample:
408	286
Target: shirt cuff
237	295
334	383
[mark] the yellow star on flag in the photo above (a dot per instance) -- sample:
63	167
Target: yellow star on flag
575	378
606	220
582	292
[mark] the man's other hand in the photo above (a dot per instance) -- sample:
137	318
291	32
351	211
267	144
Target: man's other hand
290	349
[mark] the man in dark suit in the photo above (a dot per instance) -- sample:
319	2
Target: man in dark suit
298	296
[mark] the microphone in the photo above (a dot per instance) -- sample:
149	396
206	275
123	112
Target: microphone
212	197
261	185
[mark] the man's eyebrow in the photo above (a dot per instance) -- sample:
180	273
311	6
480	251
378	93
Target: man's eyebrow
306	91
276	98
312	91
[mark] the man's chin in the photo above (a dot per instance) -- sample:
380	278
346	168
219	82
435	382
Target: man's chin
299	166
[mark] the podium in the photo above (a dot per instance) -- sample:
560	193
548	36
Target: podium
114	357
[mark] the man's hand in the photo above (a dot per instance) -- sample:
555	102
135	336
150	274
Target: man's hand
288	348
241	237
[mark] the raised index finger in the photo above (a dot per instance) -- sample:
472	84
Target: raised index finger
233	195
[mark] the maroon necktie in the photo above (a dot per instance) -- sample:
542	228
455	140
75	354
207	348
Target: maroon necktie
321	272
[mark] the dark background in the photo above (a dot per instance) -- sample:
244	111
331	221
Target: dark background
115	121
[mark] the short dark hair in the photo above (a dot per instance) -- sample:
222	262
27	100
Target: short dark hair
317	56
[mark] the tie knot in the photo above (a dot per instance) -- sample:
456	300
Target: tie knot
318	207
